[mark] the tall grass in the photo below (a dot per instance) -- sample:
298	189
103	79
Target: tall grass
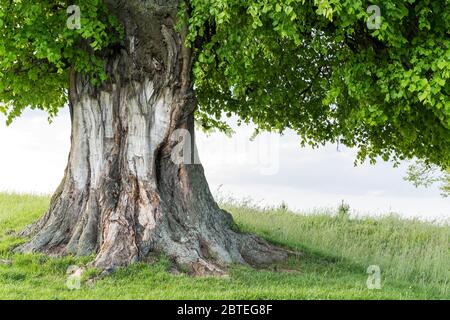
414	257
16	212
406	250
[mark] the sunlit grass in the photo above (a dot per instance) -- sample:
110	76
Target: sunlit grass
411	251
336	251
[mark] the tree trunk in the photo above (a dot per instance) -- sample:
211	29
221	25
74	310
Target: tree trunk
124	193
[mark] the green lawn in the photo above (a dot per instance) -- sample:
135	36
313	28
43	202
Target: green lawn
336	251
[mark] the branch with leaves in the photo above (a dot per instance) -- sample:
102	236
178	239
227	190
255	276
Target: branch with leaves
426	175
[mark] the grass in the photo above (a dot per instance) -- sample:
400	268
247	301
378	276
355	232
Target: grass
336	251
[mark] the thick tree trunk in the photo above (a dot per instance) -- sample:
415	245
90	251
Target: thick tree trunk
123	195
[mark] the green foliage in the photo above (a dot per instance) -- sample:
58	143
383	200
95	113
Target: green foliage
422	174
313	66
414	258
38	50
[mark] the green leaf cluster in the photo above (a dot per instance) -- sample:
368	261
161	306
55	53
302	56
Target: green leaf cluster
315	67
38	50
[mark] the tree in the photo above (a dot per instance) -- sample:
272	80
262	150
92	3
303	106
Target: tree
136	74
426	175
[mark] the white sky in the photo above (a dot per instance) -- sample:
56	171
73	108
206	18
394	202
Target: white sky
270	170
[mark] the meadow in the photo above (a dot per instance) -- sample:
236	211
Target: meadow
334	249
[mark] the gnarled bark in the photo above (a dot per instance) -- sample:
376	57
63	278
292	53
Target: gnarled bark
122	195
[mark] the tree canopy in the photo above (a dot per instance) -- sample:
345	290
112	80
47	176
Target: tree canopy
38	49
311	66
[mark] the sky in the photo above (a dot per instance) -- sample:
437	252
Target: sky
269	170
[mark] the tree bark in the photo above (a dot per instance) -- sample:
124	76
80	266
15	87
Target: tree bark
123	196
